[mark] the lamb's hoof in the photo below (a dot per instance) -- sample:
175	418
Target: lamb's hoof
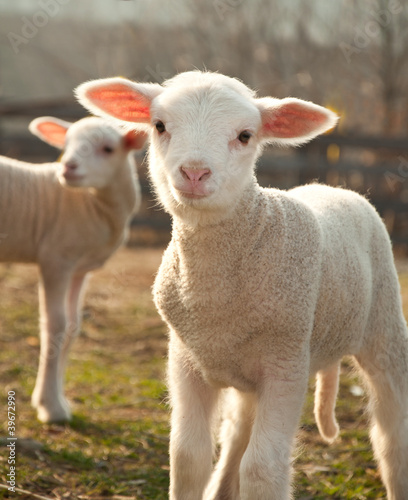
56	416
52	413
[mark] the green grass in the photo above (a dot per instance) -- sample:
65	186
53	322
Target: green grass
116	446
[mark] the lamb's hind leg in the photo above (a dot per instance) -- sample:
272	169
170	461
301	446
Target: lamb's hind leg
265	470
385	366
74	315
238	414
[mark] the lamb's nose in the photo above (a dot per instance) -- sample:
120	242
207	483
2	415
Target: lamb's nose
70	165
195	175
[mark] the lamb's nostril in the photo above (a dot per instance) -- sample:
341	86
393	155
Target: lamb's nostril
194	174
70	165
184	173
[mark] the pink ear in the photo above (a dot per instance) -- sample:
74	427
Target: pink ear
134	139
51	130
121	102
293	121
119	98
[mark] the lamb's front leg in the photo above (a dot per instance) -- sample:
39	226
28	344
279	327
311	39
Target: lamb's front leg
48	397
265	471
191	445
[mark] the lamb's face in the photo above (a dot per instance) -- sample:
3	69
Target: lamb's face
93	154
204	143
94	151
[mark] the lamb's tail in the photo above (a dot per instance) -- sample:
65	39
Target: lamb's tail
327	386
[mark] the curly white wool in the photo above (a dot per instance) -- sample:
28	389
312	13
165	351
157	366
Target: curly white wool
261	287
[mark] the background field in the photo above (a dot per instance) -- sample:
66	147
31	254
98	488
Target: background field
116	446
349	56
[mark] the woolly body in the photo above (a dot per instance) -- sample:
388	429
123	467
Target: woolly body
280	274
39	214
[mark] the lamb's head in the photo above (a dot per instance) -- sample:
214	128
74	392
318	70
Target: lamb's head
93	150
206	133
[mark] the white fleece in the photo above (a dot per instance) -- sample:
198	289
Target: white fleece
261	288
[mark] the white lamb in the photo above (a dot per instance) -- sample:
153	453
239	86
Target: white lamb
261	287
68	217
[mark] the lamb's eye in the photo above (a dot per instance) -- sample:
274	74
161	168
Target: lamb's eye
107	149
160	127
244	137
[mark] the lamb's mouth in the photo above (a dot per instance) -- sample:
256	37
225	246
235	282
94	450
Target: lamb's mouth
190	194
72	177
193	196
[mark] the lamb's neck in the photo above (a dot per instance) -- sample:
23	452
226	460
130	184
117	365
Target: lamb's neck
118	200
232	232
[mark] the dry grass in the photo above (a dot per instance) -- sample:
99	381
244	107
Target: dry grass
116	446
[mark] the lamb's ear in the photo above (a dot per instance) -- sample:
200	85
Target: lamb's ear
292	121
119	98
134	139
50	130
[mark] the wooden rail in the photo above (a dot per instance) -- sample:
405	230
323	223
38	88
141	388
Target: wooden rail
384	179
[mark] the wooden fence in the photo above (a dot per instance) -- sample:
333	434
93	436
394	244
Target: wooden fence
374	166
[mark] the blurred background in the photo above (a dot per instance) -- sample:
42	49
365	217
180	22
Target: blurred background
349	56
